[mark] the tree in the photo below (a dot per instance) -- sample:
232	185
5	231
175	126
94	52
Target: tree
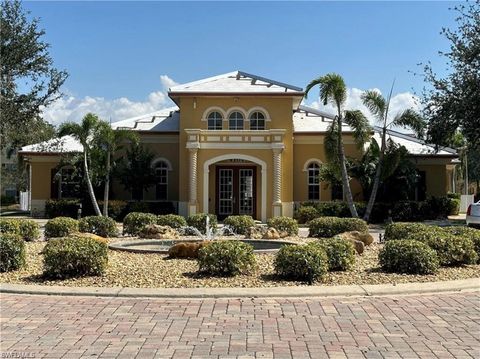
84	133
333	90
135	170
106	144
29	80
452	103
379	106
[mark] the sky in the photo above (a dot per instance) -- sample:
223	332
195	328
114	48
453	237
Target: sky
123	56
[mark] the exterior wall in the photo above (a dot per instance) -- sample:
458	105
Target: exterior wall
41	174
437	179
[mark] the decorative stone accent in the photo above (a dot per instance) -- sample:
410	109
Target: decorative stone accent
256	232
354	237
154	231
186	249
366	238
271	233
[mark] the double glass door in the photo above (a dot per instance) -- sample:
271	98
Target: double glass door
235	191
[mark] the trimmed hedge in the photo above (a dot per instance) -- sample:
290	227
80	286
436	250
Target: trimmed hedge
454	246
471	233
172	220
239	224
301	262
12	255
340	253
326	227
408	256
62	208
99	225
305	214
134	222
284	224
60	227
75	257
226	258
198	221
116	209
27	229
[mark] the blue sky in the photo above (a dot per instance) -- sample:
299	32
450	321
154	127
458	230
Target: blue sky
116	52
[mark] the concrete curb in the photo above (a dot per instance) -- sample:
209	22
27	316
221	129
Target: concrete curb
463	285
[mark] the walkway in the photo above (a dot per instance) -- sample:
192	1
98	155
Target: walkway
440	325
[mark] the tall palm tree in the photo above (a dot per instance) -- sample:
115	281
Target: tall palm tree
378	106
84	133
333	90
109	141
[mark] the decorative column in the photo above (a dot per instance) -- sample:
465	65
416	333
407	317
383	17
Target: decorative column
277	182
192	200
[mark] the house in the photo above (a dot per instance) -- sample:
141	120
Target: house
236	143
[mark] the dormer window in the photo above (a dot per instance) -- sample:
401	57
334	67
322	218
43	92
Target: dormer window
214	121
257	121
235	121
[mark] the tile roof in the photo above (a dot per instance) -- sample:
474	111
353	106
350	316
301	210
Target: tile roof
166	120
65	144
236	82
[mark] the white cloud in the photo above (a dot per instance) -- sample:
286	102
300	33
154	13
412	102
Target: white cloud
398	103
72	108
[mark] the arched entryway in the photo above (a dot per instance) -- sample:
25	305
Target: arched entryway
240	173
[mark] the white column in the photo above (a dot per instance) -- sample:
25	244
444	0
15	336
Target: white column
192	200
277	182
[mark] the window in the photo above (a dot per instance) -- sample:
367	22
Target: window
214	121
161	174
235	121
69	183
257	121
313	182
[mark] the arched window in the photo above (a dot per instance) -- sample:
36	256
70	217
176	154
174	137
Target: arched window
257	121
313	182
214	120
235	121
161	174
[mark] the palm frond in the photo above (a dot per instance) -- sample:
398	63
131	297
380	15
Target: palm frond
332	89
331	143
70	129
360	125
375	103
410	119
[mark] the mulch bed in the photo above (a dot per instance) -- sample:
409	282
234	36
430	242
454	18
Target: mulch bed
156	271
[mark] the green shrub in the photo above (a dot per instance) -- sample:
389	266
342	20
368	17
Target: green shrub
239	224
62	208
340	253
7	200
12	255
60	227
407	211
467	232
134	222
453	250
326	227
99	225
171	220
26	228
305	214
408	256
75	256
402	230
284	224
301	262
116	209
453	206
226	258
198	221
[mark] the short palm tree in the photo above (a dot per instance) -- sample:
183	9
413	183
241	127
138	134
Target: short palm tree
333	90
378	106
109	141
84	133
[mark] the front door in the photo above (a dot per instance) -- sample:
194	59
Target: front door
235	191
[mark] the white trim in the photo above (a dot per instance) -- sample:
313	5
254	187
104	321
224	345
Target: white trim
214	109
236	109
162	159
310	160
237	146
263	164
258	109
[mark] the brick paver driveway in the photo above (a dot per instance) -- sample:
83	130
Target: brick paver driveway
441	325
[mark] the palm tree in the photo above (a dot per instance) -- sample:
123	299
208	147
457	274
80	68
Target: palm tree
109	141
334	91
84	133
378	106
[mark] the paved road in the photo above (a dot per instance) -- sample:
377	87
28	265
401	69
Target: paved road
441	325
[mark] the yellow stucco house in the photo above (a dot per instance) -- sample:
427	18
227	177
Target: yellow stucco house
236	143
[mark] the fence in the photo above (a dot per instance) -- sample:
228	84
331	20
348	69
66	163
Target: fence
24	201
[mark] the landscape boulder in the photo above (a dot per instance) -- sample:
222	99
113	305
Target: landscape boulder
271	233
186	250
155	231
